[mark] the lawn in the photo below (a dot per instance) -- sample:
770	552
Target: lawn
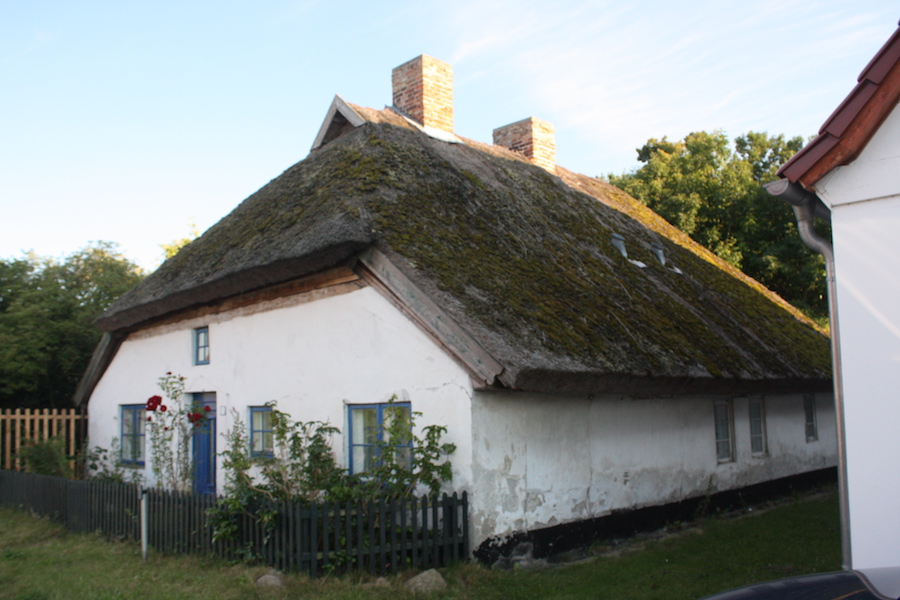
42	561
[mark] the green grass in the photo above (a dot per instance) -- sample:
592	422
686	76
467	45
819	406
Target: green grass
42	561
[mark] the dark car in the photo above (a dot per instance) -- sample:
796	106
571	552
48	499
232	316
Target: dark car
874	584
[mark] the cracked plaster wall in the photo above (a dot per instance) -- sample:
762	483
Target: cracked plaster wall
541	460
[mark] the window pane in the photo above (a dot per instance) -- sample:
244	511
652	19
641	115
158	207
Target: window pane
757	427
722	417
365	425
256	443
132	433
201	345
138	453
367	428
723	450
755	410
403	414
756	445
127	423
262	438
809	408
722	432
363	458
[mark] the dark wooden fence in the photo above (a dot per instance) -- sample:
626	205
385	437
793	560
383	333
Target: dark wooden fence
377	536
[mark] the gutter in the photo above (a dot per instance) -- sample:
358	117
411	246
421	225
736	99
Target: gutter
806	207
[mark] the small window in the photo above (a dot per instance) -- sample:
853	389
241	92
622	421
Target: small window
809	409
201	346
262	435
724	418
134	419
368	423
757	427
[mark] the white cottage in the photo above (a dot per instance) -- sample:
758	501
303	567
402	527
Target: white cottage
586	357
851	174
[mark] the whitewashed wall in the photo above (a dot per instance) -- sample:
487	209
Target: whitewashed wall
541	460
313	353
865	212
529	460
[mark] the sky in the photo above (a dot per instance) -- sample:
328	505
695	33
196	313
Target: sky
131	122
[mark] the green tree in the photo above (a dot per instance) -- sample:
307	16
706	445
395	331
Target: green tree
713	192
47	309
172	248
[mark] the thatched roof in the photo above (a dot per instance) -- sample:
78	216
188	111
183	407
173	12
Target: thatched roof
520	259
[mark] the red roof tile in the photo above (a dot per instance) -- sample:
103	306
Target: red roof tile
853	123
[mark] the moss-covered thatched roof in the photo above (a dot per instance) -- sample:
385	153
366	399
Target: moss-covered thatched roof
519	258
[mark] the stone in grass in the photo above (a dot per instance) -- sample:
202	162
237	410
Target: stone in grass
426	583
381	582
270	580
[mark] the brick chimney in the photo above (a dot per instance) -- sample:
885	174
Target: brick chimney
423	89
535	138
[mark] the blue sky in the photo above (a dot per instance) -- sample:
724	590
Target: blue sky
125	121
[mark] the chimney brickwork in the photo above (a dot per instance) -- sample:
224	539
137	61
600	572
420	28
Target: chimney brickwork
533	137
423	89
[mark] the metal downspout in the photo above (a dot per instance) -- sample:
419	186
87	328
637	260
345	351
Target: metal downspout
806	206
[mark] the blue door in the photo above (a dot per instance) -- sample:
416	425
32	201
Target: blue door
205	445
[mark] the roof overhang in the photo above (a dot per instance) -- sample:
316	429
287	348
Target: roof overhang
850	127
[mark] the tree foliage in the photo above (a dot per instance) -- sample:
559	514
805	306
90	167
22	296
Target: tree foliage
47	309
175	246
714	193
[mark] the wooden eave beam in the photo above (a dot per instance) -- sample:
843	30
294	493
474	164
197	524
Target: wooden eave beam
335	276
379	272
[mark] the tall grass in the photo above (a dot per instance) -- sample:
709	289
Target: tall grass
41	561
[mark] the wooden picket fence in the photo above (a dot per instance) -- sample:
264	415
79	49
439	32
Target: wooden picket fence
378	536
19	426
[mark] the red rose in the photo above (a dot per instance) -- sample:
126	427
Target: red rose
206	408
149	418
163	408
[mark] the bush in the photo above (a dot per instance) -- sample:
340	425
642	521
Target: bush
302	467
46	457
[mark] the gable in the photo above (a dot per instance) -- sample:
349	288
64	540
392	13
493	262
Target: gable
340	118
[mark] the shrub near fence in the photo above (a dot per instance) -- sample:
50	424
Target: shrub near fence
377	536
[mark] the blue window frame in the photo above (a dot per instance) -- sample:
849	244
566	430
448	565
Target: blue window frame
367	426
201	346
262	435
134	420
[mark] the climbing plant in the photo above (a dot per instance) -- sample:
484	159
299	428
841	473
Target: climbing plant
171	423
302	467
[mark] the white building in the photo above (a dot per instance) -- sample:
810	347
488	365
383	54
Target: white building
852	169
585	356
